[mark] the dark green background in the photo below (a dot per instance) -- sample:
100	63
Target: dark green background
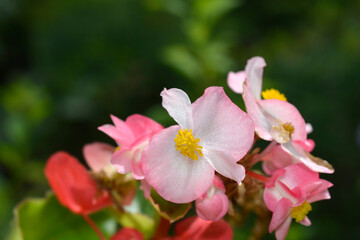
66	65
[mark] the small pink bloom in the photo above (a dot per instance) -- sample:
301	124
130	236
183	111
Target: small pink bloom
288	195
213	134
73	185
127	234
132	136
214	204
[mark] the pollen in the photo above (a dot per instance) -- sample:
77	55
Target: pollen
288	127
187	144
300	212
273	94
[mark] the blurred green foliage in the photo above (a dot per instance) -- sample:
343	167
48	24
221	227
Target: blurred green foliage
66	65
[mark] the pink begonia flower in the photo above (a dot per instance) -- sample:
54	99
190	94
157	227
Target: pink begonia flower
196	228
288	195
127	234
73	185
132	136
98	155
213	134
214	204
274	118
275	157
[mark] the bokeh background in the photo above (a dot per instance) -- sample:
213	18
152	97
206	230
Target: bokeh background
66	65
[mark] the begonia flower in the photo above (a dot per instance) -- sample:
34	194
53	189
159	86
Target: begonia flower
274	117
73	186
213	134
196	228
289	194
214	204
132	136
127	234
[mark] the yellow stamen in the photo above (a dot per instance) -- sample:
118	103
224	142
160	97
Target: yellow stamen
187	145
273	94
288	127
300	212
117	149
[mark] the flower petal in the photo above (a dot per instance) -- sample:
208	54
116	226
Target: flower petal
145	186
178	105
73	185
212	208
175	177
283	229
323	167
254	72
221	125
141	125
122	160
98	155
121	133
280	112
306	221
281	213
236	81
262	125
225	165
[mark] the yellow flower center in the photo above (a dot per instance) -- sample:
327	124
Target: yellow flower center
187	145
300	212
117	149
273	94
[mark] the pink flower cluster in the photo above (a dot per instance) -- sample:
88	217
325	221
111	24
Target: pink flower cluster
294	181
186	162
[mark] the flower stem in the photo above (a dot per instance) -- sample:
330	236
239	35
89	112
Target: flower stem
257	176
93	225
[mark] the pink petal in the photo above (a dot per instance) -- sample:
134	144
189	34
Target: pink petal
212	208
281	213
306	222
319	196
313	188
236	81
284	112
225	165
283	229
301	156
175	177
137	171
120	132
142	126
98	155
178	105
254	73
122	160
196	228
308	145
262	125
145	186
298	175
221	125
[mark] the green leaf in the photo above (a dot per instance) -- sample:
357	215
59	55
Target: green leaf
46	219
168	210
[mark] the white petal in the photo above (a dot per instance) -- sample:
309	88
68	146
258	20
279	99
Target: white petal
254	72
178	105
